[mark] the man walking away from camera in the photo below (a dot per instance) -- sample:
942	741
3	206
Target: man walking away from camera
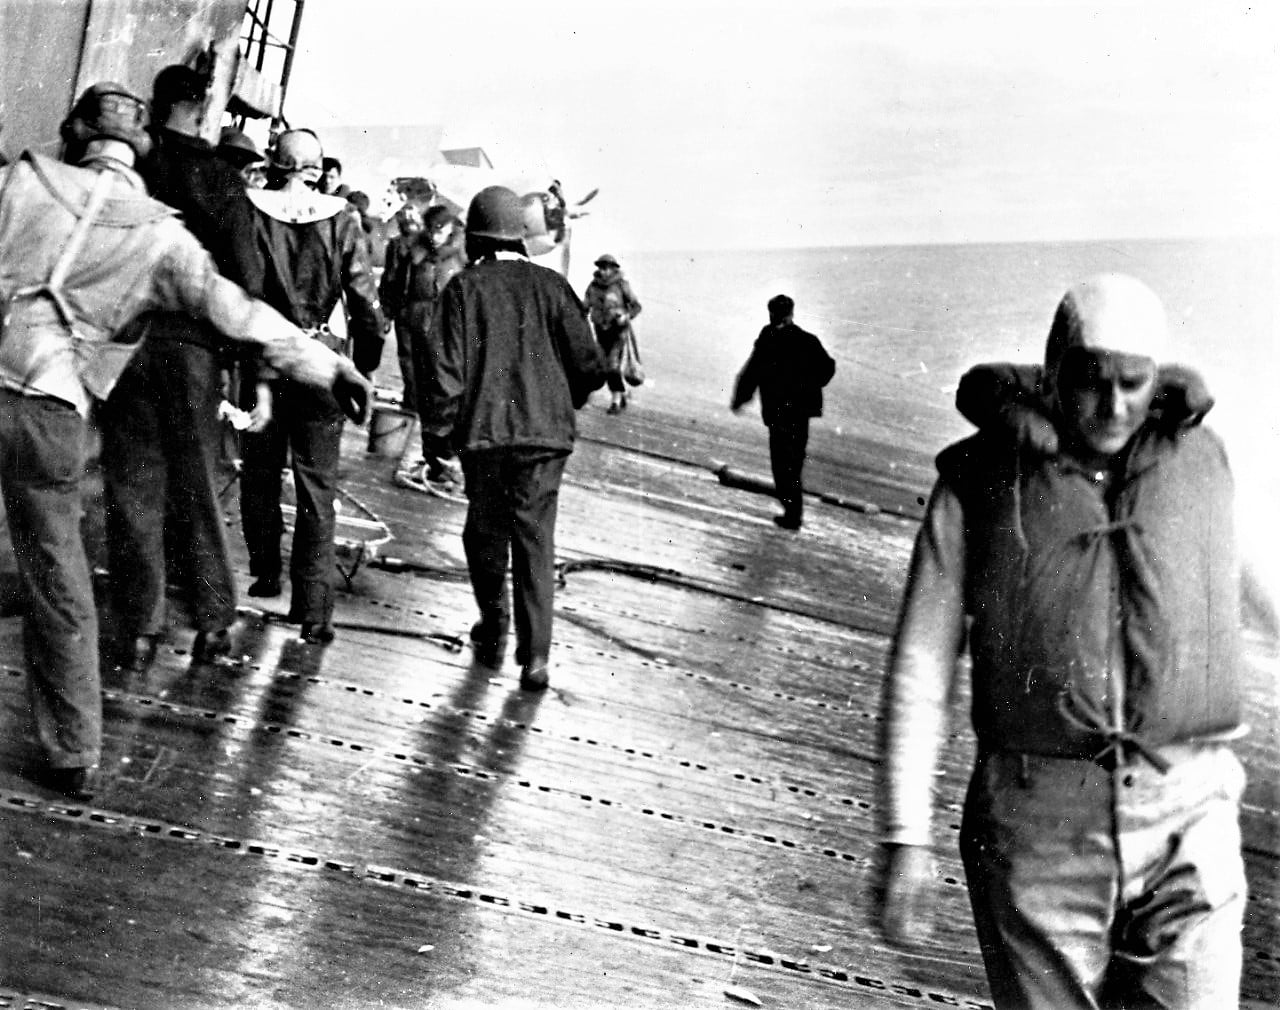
515	360
789	367
314	254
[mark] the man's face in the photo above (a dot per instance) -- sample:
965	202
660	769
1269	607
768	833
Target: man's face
1105	396
441	233
331	180
410	220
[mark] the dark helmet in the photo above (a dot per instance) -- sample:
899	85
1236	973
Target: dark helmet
496	212
108	111
238	147
178	83
607	261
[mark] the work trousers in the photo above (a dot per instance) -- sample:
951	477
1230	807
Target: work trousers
1117	888
404	355
306	431
422	353
42	460
513	495
160	443
788	442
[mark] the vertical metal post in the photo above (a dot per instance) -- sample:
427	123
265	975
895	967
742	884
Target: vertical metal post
289	52
266	22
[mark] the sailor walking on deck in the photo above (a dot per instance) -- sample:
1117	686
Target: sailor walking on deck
1082	542
315	258
418	268
790	367
612	306
83	251
515	359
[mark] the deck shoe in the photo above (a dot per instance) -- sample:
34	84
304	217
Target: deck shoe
613	409
488	645
266	585
317	632
536	675
489	640
787	522
139	653
209	645
74	783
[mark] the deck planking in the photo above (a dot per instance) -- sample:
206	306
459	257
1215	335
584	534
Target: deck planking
691	807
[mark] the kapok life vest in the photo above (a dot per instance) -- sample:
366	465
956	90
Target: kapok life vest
1064	578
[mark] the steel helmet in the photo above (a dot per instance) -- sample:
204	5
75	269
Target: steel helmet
496	212
298	152
108	111
237	147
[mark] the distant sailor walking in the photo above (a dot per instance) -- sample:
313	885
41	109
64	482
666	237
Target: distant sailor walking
790	367
612	306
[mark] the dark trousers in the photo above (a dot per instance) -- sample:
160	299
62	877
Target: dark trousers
306	429
788	441
160	444
513	496
404	355
42	460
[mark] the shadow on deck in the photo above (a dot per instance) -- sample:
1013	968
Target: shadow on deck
688	810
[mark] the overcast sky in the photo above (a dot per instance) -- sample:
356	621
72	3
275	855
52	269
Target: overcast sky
814	122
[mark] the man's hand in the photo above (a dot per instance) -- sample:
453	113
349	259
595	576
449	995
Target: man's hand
352	391
445	470
260	414
905	875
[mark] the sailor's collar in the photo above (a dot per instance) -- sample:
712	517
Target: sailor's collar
297	205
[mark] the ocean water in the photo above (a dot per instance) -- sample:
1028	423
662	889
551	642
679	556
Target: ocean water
904	322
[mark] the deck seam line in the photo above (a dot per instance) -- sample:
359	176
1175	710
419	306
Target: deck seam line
97	819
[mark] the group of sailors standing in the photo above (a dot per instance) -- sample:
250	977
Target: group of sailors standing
143	266
119	308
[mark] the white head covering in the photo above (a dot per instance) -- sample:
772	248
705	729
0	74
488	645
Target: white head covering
1112	312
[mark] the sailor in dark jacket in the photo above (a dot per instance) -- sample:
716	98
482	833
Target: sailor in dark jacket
515	359
789	367
160	429
315	257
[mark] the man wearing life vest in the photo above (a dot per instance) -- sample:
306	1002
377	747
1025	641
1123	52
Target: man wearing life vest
84	251
1097	573
314	254
612	305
